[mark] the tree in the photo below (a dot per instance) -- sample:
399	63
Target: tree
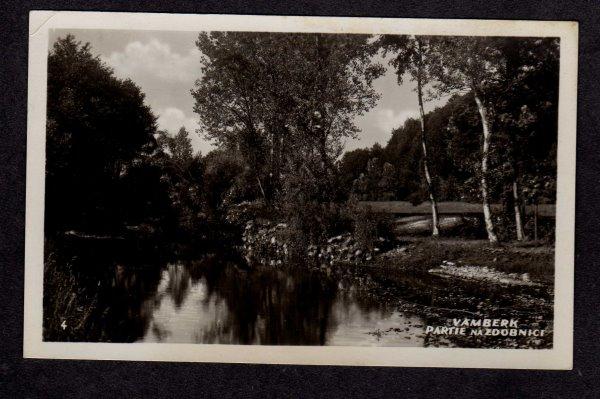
222	174
411	56
180	147
404	152
183	172
98	128
529	63
351	166
462	124
284	101
473	64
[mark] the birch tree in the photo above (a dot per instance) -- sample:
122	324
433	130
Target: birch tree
472	64
528	63
410	55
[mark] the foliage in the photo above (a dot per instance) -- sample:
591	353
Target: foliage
98	131
280	100
377	182
455	146
280	107
367	226
223	184
183	173
410	55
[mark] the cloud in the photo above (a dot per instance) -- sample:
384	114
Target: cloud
172	119
387	119
155	59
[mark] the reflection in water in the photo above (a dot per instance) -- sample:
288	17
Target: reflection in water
107	297
206	303
113	295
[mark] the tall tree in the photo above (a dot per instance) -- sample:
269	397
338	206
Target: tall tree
284	101
411	56
472	64
98	127
528	63
178	148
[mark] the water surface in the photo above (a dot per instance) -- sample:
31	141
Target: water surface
200	302
107	295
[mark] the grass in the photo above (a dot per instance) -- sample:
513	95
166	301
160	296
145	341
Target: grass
450	207
424	253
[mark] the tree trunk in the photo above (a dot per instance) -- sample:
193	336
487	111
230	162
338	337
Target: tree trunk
535	221
517	206
434	211
487	214
261	189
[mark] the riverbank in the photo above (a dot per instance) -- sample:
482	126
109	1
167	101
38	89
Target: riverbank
275	244
427	253
408	278
435	278
409	282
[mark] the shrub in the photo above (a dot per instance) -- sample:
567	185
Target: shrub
367	225
315	222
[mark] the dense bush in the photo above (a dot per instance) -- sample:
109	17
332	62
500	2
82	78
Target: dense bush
367	226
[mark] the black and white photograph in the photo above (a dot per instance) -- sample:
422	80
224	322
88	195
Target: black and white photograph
257	184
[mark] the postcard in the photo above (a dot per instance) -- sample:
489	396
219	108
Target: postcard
300	190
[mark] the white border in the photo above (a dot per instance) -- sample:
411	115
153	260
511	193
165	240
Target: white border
560	357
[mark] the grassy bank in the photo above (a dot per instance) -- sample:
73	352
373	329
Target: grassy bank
424	253
402	278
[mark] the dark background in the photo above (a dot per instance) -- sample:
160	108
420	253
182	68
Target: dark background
60	378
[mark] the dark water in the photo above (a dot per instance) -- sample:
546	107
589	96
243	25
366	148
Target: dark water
199	304
222	301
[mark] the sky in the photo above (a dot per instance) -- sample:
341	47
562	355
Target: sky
165	65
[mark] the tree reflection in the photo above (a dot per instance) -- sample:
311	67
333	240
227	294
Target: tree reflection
178	283
266	306
215	299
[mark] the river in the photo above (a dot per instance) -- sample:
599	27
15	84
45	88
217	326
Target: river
99	294
220	299
195	302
